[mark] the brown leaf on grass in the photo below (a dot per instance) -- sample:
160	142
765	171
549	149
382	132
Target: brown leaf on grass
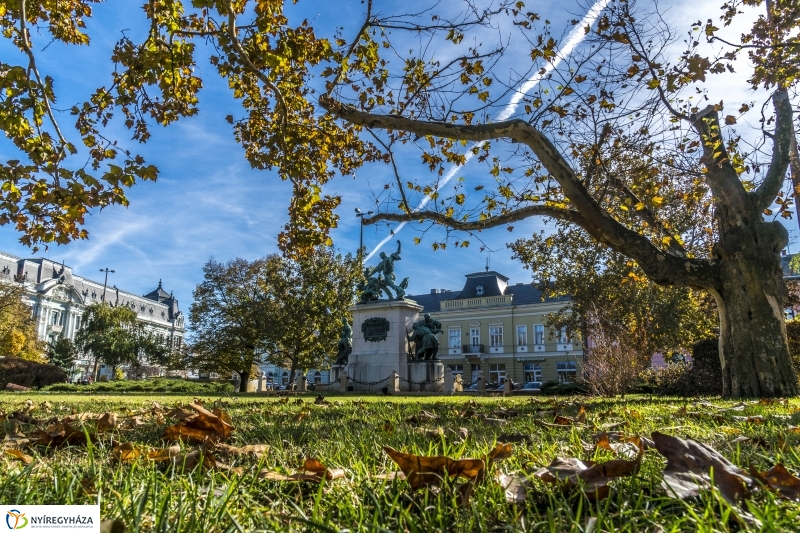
435	434
468	413
548	425
181	414
24	418
514	438
256	450
421	471
500	452
689	467
164	454
301	415
16	454
755	441
564	420
504	413
214	426
317	472
594	477
514	486
61	433
495	421
581	414
107	421
126	452
461	434
780	480
388	427
793	429
194	459
421	418
320	400
749	419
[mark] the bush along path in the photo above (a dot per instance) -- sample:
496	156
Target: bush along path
413	464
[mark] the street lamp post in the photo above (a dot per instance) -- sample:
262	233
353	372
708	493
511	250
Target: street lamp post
106	270
360	216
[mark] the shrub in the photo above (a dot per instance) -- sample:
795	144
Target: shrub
553	388
150	385
28	373
703	376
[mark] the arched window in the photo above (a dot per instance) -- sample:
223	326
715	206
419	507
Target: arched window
479	290
317	377
285	378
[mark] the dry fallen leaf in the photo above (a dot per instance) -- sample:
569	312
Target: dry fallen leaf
317	473
514	438
107	421
421	471
164	454
689	466
125	452
206	425
256	450
515	487
780	480
594	477
16	454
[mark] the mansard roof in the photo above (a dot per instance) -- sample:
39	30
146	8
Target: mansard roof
158	295
493	284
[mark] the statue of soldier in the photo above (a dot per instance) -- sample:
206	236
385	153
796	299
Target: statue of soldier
345	345
424	337
386	267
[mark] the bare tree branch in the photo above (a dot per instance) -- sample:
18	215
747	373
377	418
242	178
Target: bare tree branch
781	151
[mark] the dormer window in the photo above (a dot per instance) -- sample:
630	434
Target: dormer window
479	290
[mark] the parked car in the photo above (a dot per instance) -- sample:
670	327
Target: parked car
472	388
531	387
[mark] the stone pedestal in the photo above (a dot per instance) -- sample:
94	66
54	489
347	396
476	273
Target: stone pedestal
262	381
335	375
252	385
449	383
372	362
481	382
426	376
507	388
300	383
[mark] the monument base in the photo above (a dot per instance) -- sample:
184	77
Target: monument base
372	376
426	376
336	375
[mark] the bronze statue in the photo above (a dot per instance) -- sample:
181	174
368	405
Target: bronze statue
381	278
426	344
345	345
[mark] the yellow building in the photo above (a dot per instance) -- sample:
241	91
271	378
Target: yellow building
499	329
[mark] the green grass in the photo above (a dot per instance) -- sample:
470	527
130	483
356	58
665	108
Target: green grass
350	434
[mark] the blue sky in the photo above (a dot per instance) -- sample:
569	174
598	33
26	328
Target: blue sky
208	202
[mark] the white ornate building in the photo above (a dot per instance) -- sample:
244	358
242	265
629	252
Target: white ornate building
58	298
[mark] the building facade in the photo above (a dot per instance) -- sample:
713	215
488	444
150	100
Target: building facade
497	328
58	297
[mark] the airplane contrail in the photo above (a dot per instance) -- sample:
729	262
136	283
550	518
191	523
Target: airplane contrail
575	37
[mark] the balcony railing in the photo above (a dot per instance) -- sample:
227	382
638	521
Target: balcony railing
477	348
511	348
476	302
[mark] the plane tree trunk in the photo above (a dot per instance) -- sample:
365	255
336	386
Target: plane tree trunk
750	298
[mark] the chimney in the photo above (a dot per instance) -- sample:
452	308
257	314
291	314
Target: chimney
434	291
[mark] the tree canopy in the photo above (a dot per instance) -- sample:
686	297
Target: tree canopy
284	311
113	336
18	336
